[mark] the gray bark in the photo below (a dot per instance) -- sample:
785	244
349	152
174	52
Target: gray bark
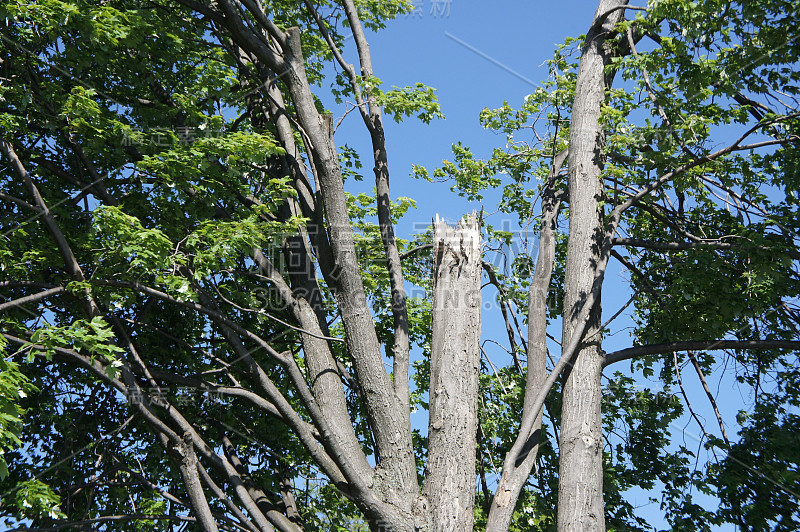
373	119
187	461
387	419
395	481
580	488
455	367
517	465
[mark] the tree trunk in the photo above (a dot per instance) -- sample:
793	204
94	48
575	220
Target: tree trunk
455	367
580	488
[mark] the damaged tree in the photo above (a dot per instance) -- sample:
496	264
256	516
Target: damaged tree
455	365
199	312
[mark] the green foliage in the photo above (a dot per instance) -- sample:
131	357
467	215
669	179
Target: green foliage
375	13
154	506
93	337
758	478
144	104
419	100
121	238
706	63
14	385
35	499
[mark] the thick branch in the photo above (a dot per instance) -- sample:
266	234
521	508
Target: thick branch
243	35
70	262
675	246
187	463
219	494
31	298
374	123
257	11
259	497
387	417
320	362
521	458
697	345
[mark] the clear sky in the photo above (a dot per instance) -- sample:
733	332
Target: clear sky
480	54
457	47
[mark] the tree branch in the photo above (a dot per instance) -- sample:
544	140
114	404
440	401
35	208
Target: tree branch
710	396
394	266
697	345
521	457
736	146
674	246
412	251
187	463
70	262
219	494
109	519
31	298
504	310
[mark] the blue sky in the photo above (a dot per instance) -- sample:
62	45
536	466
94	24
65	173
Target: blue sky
442	50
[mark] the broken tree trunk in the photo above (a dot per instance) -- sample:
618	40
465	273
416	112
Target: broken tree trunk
455	366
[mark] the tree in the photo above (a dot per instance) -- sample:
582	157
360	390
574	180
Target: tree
198	315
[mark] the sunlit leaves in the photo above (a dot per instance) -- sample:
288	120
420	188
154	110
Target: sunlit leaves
123	240
93	337
14	385
419	101
34	498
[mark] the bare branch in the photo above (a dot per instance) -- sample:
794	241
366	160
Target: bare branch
710	396
697	345
188	464
504	310
735	147
347	67
652	94
686	397
675	246
31	298
413	251
520	459
18	201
